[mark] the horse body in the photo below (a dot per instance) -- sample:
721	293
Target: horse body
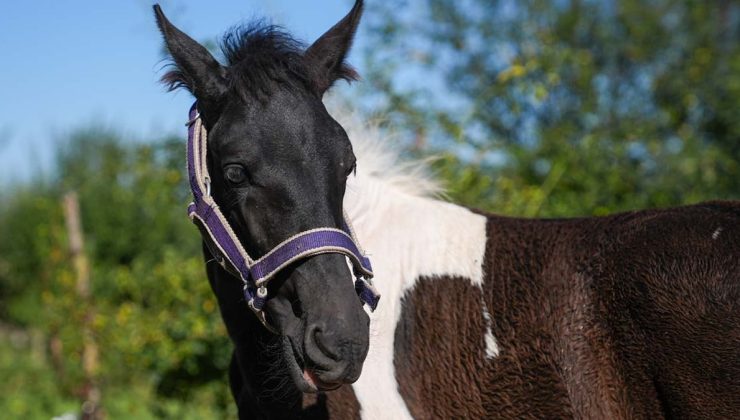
625	316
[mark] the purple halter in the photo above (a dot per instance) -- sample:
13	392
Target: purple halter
229	252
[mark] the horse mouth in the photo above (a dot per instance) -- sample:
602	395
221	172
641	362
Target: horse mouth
304	376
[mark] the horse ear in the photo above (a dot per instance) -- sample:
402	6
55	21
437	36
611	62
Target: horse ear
197	70
326	55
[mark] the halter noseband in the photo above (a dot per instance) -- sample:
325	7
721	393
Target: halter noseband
229	252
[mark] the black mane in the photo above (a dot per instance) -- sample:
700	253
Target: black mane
261	58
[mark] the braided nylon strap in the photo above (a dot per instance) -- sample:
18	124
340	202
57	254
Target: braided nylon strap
229	252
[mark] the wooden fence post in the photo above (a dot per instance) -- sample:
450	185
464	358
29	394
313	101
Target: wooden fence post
91	408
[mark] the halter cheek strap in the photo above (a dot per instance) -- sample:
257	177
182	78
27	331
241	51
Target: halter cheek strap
229	252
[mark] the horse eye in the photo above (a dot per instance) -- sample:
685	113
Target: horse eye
236	174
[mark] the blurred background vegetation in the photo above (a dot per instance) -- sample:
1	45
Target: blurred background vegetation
536	108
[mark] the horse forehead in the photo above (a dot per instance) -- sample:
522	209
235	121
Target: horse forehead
287	116
291	128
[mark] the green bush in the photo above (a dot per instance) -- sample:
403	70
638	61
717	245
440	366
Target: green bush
163	350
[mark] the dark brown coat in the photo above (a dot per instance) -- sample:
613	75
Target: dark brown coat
635	315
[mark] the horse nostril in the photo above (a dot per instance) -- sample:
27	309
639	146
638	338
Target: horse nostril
331	358
322	355
317	341
321	344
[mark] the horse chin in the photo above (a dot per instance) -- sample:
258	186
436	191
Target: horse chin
304	378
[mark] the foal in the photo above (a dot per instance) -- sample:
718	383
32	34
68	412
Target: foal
635	315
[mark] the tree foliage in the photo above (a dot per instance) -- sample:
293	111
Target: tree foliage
566	107
156	321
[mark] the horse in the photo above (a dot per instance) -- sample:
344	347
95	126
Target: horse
631	315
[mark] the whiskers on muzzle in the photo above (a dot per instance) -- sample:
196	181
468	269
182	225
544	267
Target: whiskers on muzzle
274	371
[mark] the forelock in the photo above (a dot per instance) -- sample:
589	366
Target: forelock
263	58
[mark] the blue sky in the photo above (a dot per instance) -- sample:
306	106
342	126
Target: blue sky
73	63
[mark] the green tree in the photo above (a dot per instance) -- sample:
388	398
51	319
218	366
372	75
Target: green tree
562	108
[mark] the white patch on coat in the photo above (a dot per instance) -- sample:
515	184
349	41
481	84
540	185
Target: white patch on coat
407	234
491	344
716	233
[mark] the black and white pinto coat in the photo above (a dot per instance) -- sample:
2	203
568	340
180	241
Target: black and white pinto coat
635	315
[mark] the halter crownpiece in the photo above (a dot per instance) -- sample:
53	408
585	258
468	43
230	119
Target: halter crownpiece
229	252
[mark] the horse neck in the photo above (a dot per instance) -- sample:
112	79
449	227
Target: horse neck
408	235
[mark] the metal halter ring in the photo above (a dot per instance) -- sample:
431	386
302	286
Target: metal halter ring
207	181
